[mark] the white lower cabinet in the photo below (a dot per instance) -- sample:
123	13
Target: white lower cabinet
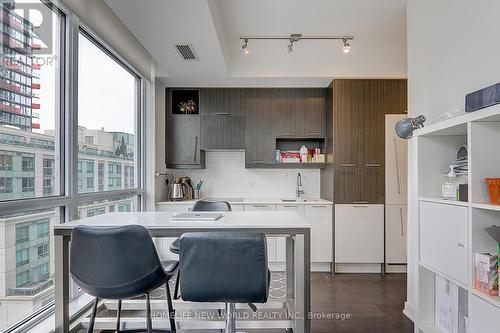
443	239
396	232
359	236
271	241
320	219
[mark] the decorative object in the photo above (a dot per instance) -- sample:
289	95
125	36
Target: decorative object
185	101
188	106
482	98
493	190
486	273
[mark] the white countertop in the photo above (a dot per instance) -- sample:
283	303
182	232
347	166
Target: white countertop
161	221
254	201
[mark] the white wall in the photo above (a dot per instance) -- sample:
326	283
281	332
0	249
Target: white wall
104	22
453	49
225	176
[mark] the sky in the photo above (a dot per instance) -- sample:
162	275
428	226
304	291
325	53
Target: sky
106	91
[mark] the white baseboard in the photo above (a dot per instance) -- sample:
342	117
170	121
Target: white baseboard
409	312
358	268
315	267
395	268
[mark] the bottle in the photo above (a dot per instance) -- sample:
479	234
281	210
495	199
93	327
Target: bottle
303	154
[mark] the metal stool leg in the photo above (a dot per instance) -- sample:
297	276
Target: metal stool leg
230	318
148	314
176	288
170	308
118	316
92	318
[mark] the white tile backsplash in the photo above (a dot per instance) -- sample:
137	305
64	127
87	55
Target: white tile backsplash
225	176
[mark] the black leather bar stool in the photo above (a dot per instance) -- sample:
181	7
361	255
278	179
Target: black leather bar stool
120	263
199	206
228	267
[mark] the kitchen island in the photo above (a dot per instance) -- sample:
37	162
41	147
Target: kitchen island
286	224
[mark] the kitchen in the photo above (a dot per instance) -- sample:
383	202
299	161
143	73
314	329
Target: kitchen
232	145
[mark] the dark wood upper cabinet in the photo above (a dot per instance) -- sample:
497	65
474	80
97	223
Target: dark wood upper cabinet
222	132
301	113
244	118
185	142
259	106
359	109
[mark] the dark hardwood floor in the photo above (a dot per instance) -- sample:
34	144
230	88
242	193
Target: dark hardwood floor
374	303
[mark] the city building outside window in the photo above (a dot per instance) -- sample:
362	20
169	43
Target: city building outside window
32	138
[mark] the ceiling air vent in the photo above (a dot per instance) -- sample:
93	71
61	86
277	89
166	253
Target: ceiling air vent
186	51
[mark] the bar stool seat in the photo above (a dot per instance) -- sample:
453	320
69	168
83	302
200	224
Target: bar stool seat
120	263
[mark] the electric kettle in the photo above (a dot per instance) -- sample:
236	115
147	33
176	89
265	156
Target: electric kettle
176	192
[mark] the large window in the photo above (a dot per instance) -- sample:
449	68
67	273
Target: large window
38	120
107	113
30	102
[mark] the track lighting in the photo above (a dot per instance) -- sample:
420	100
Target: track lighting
245	48
346	48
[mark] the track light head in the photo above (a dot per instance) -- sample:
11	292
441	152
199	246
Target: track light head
245	48
347	47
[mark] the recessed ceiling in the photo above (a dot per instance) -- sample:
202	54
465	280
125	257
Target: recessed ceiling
213	28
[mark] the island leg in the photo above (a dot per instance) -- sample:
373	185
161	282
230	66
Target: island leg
61	246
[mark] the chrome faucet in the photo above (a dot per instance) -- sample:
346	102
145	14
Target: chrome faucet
300	190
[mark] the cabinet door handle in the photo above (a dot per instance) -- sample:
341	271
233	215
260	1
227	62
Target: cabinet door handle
260	206
360	202
195	147
397	166
288	133
291	206
347	165
372	164
460	244
318	206
222	113
360	206
313	133
401	219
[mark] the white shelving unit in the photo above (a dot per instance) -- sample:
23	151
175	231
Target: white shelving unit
450	232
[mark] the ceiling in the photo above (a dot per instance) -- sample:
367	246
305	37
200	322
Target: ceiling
213	28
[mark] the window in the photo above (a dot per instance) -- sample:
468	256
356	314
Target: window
43	229
22	257
6	161
5	185
90	166
33	132
109	117
28	184
22	234
28	163
43	250
93	208
22	278
30	102
90	182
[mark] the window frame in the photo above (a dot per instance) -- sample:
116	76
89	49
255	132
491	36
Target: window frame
66	145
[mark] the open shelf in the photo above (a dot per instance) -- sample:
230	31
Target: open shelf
444	201
436	153
486	206
494	300
430	286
